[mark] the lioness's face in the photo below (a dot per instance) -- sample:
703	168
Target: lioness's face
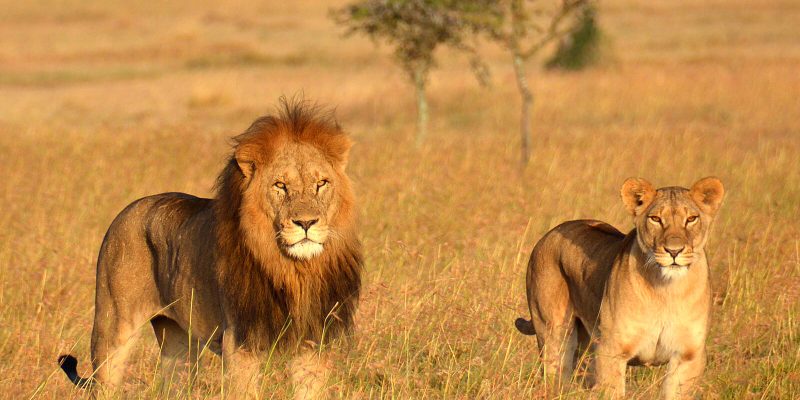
296	192
672	223
672	228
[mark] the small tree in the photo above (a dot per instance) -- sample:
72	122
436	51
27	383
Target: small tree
581	47
415	29
525	28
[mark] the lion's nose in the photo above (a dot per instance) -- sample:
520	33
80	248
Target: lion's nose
306	224
674	252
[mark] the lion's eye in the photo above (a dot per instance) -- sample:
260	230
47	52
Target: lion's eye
655	219
321	183
691	219
280	185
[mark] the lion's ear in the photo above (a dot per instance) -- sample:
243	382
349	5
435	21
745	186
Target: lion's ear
708	193
245	158
346	153
339	151
637	194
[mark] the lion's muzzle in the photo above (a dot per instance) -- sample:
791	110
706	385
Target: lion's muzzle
303	238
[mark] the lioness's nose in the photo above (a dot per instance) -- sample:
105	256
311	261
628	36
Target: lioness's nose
306	224
674	252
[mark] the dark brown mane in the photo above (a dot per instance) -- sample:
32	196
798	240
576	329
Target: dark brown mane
280	298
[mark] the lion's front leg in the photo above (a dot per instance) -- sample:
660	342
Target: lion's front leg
610	366
241	369
310	371
682	375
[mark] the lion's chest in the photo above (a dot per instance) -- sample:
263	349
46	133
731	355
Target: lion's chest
657	346
656	338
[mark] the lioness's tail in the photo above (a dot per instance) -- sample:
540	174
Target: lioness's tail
70	366
524	326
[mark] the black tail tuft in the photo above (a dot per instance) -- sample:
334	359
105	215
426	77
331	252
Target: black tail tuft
525	326
69	364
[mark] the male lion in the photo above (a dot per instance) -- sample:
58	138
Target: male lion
272	262
645	297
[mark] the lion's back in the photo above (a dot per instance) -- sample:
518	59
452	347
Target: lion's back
576	248
158	215
581	236
157	249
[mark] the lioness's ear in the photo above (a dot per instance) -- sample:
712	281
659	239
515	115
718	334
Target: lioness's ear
246	159
708	193
637	194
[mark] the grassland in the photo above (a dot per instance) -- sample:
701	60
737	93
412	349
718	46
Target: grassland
102	103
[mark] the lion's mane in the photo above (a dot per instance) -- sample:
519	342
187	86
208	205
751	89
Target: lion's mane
271	298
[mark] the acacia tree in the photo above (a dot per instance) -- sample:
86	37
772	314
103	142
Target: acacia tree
582	46
524	28
415	29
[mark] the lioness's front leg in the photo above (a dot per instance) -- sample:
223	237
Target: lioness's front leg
310	371
682	374
610	366
241	368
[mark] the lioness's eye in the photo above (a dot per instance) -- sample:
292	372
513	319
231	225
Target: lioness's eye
322	183
655	219
691	219
280	185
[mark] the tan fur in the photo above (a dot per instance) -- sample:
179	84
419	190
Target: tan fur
638	299
272	263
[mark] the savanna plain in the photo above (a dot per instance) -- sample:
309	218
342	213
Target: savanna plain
105	102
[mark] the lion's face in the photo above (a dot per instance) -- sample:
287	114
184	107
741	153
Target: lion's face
299	188
297	193
672	223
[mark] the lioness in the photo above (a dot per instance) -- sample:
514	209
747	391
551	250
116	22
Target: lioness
271	263
645	297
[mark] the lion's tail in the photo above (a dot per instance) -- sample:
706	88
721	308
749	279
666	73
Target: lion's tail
69	364
525	326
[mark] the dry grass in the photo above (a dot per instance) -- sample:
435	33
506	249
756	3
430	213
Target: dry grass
104	103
